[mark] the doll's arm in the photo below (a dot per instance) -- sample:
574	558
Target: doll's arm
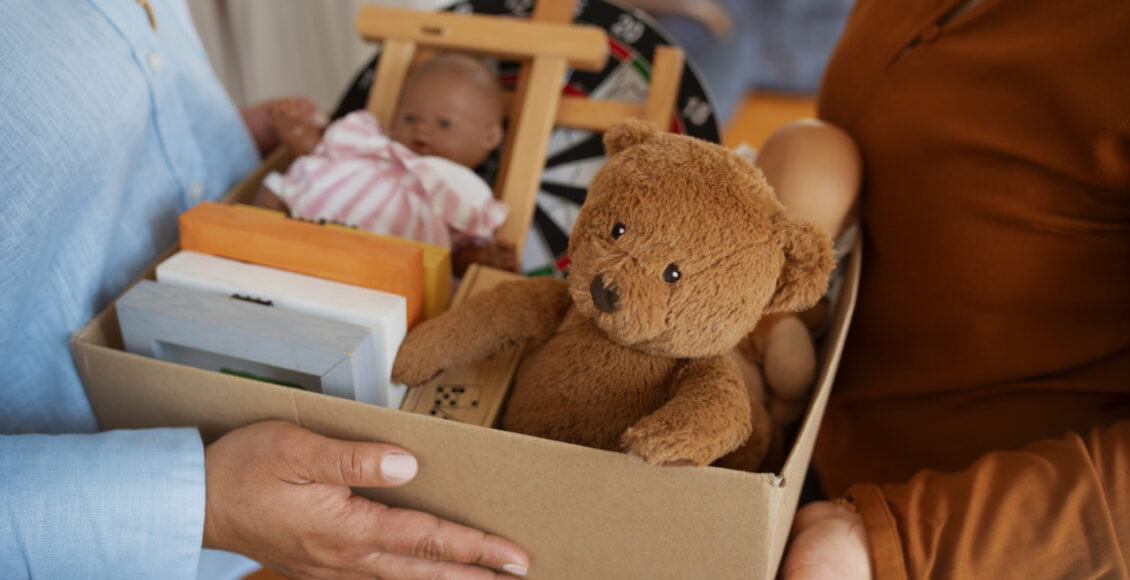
707	417
499	254
815	169
480	327
266	198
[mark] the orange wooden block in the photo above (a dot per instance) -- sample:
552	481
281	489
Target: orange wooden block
307	248
437	263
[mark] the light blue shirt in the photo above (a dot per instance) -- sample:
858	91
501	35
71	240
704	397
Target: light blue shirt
108	130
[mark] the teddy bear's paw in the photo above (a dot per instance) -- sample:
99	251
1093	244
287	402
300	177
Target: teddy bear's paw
659	444
413	372
423	355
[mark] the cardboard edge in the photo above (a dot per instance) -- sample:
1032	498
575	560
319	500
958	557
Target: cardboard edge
791	478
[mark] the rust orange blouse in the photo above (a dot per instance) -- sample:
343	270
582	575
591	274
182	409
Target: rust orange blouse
988	364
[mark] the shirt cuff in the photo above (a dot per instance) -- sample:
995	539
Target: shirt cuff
120	504
887	561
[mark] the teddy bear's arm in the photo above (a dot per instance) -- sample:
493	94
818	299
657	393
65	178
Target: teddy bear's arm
486	323
707	416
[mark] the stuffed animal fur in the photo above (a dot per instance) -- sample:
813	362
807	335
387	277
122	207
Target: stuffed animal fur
678	251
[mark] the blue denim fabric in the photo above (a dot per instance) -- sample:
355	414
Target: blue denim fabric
779	45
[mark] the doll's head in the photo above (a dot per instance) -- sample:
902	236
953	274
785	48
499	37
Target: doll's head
451	107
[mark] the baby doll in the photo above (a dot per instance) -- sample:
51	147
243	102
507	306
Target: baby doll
416	180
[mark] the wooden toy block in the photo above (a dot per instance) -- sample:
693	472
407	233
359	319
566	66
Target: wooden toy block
307	248
381	312
244	338
473	393
437	262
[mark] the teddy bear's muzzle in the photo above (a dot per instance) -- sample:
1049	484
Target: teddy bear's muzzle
605	299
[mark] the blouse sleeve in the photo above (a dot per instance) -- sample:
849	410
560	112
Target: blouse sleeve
120	504
1056	509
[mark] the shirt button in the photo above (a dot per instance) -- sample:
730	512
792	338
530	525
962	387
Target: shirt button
196	191
156	61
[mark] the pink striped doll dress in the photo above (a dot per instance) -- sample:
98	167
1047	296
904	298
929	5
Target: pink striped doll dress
360	177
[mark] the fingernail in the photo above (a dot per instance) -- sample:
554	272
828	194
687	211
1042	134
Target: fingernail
398	467
515	569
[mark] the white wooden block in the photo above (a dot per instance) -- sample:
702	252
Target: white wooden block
381	312
216	332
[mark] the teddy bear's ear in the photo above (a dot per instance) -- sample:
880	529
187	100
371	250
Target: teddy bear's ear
627	133
808	262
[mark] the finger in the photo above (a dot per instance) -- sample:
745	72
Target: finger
319	118
386	565
351	463
809	515
426	537
816	512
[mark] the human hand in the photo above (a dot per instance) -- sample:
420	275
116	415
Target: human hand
281	495
296	122
828	540
711	14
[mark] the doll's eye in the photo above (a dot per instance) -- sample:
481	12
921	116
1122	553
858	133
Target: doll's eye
672	274
409	118
445	124
618	230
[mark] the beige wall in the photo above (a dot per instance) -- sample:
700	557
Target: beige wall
263	49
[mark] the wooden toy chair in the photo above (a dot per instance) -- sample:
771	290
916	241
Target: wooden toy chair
546	45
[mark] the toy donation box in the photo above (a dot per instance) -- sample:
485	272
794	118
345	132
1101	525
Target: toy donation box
243	322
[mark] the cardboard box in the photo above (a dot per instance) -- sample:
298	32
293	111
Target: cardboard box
581	513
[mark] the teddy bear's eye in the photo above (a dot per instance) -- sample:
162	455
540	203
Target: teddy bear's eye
618	230
672	274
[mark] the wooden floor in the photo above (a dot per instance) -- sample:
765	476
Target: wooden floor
761	114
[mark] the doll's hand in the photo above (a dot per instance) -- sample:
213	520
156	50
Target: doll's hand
498	254
298	122
263	121
281	495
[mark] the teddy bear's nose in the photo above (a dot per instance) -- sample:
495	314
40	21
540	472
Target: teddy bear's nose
606	299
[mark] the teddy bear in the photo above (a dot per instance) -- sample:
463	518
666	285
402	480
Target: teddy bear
678	250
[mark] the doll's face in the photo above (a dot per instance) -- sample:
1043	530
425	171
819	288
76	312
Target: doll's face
445	113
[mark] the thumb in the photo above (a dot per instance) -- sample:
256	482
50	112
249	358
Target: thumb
321	459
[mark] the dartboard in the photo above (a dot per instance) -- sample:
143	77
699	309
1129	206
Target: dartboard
574	155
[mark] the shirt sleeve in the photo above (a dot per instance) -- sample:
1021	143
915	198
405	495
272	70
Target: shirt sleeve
1056	509
119	504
